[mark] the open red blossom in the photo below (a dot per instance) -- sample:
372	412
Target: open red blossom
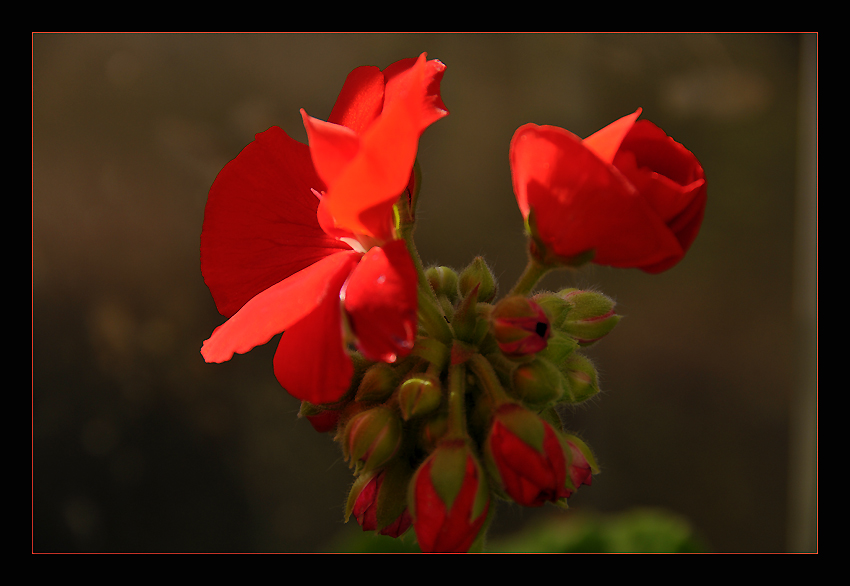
300	239
627	196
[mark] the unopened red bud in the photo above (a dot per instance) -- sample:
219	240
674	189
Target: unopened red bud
590	317
527	456
582	463
537	383
419	395
477	273
370	503
519	326
372	437
449	499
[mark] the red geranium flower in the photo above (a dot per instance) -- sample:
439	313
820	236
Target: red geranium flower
301	240
627	196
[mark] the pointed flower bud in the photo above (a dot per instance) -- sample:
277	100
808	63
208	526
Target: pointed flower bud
583	464
537	383
528	457
378	383
372	437
591	315
519	325
449	499
478	273
444	281
581	378
418	395
369	501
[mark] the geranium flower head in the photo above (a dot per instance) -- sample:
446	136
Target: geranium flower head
627	196
300	239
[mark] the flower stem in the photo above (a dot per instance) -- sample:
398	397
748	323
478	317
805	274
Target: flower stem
430	310
532	274
457	402
487	378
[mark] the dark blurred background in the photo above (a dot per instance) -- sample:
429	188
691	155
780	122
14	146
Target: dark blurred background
707	410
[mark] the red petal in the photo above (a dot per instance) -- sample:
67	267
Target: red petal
311	362
381	301
361	99
360	199
606	142
260	222
280	307
581	203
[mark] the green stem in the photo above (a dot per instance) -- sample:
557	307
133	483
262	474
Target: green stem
532	274
430	310
457	402
488	379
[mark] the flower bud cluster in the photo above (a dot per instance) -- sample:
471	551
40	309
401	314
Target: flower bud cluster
471	414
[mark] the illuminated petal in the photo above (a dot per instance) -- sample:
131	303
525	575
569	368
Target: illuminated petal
360	197
281	307
311	362
606	142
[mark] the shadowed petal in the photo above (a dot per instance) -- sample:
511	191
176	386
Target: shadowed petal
381	301
260	222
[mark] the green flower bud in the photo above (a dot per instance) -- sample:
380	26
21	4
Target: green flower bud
478	273
372	437
582	378
444	281
591	315
378	383
537	383
419	395
555	306
432	431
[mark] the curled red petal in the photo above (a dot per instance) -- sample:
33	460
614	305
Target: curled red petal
582	203
280	307
606	142
260	223
361	197
381	302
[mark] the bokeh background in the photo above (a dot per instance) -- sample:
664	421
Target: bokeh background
707	411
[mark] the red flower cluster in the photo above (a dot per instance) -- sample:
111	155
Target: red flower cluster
293	234
627	196
314	242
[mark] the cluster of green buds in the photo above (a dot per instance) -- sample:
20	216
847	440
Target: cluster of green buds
472	413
